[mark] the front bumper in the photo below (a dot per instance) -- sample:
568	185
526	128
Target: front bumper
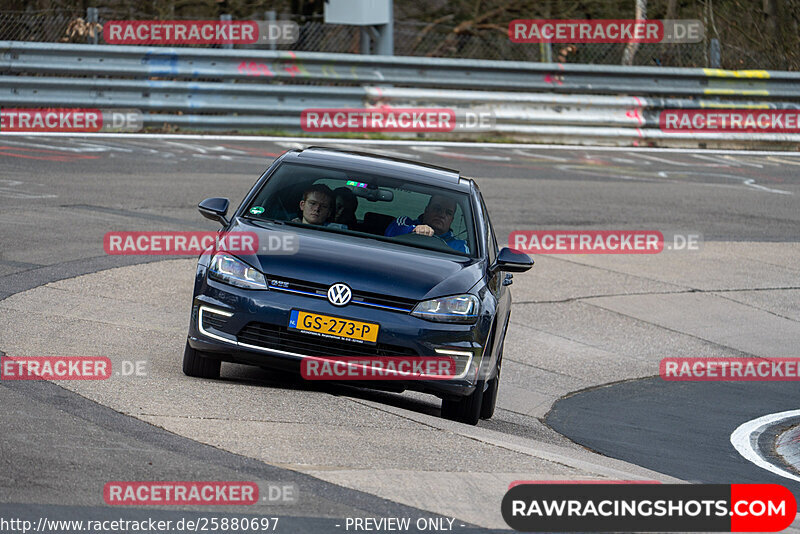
230	314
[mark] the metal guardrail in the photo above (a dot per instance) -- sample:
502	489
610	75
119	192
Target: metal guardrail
419	71
268	89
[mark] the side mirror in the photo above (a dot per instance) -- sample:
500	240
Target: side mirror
512	261
215	209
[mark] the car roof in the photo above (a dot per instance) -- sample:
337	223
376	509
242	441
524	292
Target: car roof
363	161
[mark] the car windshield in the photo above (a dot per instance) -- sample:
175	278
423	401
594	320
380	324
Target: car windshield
369	206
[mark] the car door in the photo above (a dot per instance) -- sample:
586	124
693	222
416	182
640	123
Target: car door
495	283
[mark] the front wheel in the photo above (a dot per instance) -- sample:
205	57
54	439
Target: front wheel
490	398
195	364
467	409
490	395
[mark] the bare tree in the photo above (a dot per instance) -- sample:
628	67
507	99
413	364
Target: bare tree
632	47
771	12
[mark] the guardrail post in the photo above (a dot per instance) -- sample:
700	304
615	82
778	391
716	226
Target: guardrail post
366	47
226	18
91	19
385	44
271	18
714	54
546	52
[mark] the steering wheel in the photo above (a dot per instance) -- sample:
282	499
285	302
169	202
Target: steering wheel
412	237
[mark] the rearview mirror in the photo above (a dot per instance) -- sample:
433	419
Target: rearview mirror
511	261
215	209
374	194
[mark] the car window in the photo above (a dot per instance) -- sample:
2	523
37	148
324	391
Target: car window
491	241
378	201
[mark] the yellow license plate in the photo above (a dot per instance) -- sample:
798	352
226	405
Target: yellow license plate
335	327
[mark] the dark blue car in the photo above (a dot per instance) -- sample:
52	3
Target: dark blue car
384	257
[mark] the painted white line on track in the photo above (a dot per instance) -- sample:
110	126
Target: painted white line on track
414	142
662	160
746	435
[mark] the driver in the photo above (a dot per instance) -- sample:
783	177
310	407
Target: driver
435	221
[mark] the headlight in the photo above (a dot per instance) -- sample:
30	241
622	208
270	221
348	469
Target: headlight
225	268
456	309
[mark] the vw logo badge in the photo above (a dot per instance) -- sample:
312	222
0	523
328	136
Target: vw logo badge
339	294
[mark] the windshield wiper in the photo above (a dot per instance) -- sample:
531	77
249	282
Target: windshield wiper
300	225
262	220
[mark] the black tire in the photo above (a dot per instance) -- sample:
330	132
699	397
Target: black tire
467	409
490	395
489	399
195	364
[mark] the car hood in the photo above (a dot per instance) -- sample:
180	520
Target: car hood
365	265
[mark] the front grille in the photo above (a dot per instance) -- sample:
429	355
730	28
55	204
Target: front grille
281	338
358	296
383	300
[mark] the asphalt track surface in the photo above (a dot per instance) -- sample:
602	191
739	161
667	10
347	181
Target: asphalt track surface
579	322
645	422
